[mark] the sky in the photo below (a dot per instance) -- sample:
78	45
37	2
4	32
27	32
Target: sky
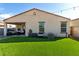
10	9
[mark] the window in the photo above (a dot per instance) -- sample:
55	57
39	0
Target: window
63	27
41	27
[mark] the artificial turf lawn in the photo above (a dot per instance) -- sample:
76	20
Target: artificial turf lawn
39	47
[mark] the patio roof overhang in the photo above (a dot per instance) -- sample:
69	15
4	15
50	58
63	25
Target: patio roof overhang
15	22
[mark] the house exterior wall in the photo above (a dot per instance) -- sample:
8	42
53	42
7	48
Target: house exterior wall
75	25
52	22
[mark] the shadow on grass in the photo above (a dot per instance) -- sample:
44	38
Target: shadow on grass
75	38
28	39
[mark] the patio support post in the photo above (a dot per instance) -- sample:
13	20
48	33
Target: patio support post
26	29
5	29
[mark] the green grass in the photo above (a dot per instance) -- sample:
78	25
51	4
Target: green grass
38	47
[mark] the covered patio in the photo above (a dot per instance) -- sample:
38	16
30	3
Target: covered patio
18	29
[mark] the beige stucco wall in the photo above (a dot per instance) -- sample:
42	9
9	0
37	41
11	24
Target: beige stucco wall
52	22
74	22
75	25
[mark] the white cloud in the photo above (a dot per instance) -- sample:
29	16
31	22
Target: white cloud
71	13
4	16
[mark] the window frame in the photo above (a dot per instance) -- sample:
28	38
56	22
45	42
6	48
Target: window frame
63	27
42	27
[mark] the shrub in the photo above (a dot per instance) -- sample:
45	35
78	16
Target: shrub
34	35
51	36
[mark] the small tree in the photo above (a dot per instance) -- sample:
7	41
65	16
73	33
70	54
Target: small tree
30	32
